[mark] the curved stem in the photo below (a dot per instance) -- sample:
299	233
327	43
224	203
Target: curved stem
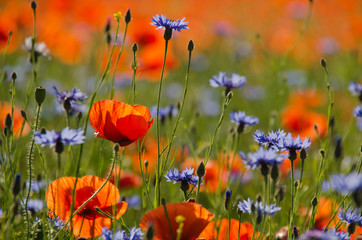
91	197
292	200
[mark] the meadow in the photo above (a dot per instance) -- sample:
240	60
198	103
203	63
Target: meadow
180	120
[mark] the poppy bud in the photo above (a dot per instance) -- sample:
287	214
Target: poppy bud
275	172
168	34
8	121
40	94
228	198
185	186
146	163
127	18
338	149
16	184
314	201
296	184
116	148
13	76
163	202
134	47
322	153
279	196
59	147
23	114
190	46
33	5
149	234
264	169
108	26
323	62
303	154
201	170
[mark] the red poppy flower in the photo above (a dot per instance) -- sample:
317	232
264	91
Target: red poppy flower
119	122
88	223
246	230
196	219
5	109
126	179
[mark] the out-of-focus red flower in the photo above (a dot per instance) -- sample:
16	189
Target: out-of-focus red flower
299	117
120	122
5	109
246	230
87	223
196	218
126	179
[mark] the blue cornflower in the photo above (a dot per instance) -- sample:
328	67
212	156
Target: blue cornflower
272	140
187	175
358	112
134	201
160	21
351	217
355	89
34	205
319	235
246	206
56	222
344	184
295	144
262	156
340	234
66	136
134	234
242	120
72	98
169	111
222	80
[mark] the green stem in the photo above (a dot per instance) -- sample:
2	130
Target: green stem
198	190
118	57
226	102
30	172
159	159
290	229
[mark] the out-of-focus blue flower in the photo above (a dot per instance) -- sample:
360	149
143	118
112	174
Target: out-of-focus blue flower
169	111
133	201
273	139
358	112
243	120
262	156
1	213
355	88
350	217
135	234
186	175
254	92
34	205
327	46
160	21
319	235
222	80
344	184
340	234
36	186
295	144
296	77
56	222
66	136
245	206
73	97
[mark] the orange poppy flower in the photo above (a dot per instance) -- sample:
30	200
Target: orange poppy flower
126	179
196	219
5	109
119	122
88	223
246	230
